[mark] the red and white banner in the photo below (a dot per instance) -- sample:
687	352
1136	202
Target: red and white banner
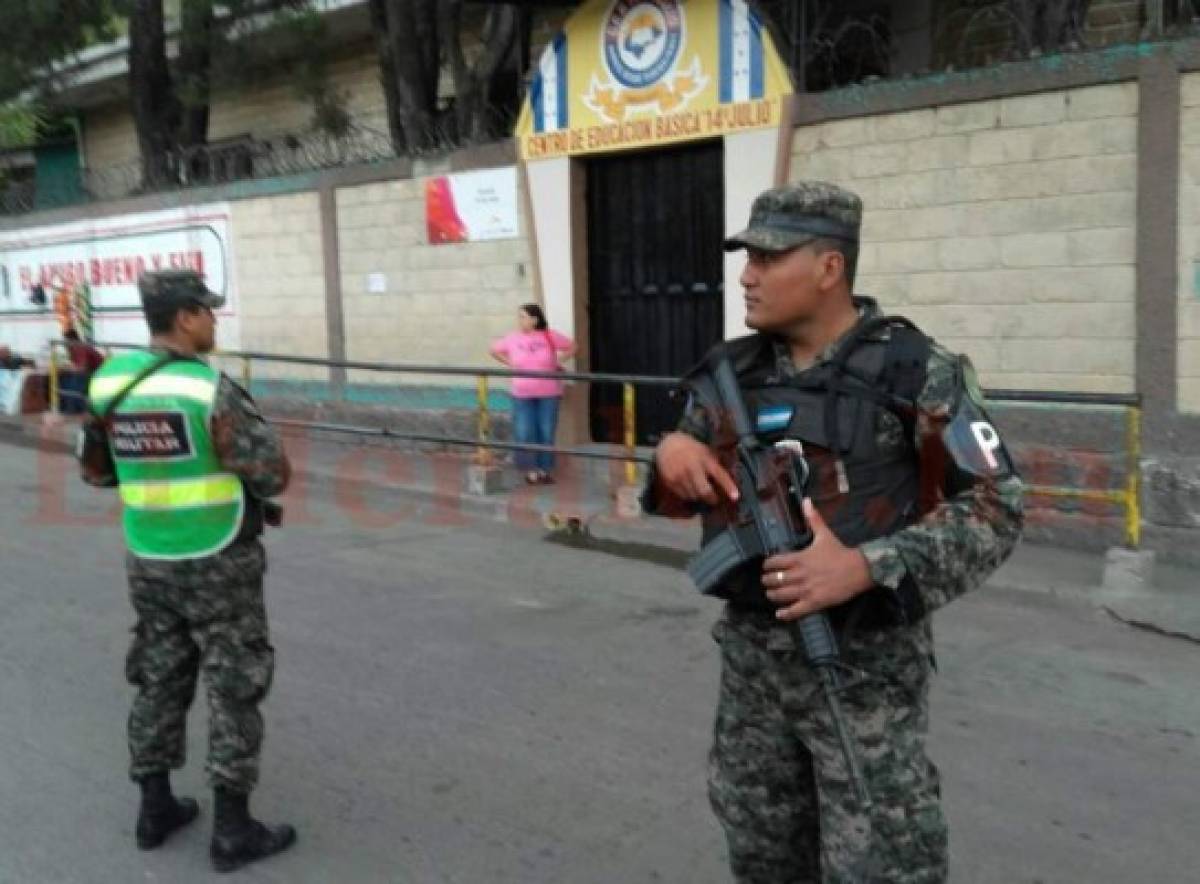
41	266
472	207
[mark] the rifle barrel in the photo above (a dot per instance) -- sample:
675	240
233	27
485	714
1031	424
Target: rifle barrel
829	687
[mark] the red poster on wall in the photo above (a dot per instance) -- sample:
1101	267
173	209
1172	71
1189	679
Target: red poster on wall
441	216
472	207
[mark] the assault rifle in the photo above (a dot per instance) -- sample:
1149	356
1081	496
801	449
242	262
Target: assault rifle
770	519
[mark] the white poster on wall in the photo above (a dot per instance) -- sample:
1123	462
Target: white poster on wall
472	206
93	266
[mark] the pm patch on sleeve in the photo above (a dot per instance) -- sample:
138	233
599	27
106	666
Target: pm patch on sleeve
973	444
151	435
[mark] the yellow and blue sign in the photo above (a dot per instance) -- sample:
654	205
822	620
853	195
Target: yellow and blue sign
637	73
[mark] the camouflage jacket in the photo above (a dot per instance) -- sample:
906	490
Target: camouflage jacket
245	444
967	534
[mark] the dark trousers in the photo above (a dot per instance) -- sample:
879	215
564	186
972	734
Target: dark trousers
778	781
199	616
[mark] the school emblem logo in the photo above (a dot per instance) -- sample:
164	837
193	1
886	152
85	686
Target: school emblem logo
641	44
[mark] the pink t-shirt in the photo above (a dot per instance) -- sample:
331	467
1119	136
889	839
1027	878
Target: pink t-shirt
533	350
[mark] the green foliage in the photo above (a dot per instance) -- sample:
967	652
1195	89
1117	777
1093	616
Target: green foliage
38	33
306	28
257	41
19	123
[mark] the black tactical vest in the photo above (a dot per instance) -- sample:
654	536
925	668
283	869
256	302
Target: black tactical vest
854	416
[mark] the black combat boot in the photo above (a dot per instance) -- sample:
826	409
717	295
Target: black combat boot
239	838
161	813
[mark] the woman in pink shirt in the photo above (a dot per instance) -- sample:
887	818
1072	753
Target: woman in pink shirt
535	347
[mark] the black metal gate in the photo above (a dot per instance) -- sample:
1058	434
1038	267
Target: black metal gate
655	222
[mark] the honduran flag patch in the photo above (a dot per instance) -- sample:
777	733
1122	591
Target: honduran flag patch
773	417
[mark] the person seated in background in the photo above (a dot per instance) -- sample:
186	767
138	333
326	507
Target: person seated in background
73	384
84	357
11	360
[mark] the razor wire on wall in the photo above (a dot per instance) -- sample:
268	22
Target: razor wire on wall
242	158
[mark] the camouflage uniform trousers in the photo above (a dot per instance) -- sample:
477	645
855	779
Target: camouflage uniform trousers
200	615
778	781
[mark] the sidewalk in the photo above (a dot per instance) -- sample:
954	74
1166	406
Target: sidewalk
583	507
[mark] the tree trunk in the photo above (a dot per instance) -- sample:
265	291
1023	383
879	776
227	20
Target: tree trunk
415	38
1049	25
413	47
466	94
387	74
155	109
1074	21
476	119
193	72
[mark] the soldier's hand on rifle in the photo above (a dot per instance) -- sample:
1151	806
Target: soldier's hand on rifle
824	574
690	470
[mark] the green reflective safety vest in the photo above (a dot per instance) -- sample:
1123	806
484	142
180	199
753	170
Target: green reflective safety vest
179	503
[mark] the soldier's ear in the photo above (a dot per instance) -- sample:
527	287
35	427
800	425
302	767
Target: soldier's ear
831	266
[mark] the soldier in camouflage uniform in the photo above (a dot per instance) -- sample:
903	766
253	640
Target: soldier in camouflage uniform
195	565
911	512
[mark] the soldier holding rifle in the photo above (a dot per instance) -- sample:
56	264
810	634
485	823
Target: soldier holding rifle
910	501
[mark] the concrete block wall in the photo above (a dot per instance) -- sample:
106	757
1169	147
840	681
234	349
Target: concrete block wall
264	108
1005	227
1069	448
272	106
277	261
443	304
1113	21
109	142
1188	395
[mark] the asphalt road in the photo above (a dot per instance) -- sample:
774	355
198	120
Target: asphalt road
469	703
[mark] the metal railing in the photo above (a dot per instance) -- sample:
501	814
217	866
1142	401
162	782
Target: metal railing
482	442
1127	497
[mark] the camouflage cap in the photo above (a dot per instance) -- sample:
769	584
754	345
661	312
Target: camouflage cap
163	289
794	214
